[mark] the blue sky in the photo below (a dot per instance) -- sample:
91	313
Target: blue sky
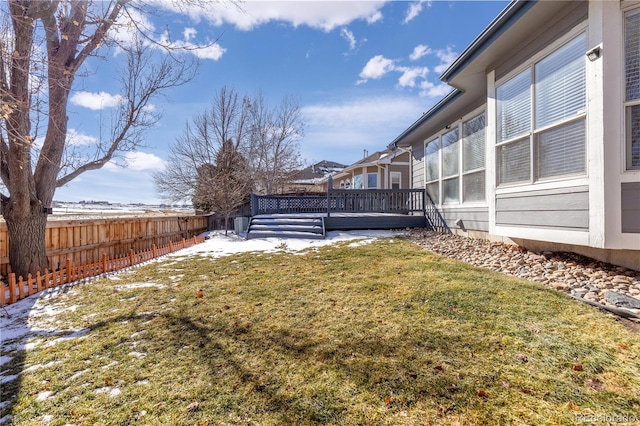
362	72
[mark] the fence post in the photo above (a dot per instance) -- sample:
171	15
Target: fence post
329	188
12	288
39	282
69	272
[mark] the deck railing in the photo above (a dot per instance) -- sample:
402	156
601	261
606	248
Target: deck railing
434	218
399	201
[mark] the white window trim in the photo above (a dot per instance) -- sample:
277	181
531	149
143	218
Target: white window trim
630	7
535	183
391	175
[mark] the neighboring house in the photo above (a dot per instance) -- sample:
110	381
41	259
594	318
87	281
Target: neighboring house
310	179
539	142
381	170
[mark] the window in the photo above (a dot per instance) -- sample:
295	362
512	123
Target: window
450	169
632	88
473	159
396	180
541	118
432	162
372	180
454	166
357	182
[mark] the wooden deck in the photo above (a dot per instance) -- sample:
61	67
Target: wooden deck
353	209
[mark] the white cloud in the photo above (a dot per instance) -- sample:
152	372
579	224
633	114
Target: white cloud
77	138
348	35
376	17
350	126
415	9
95	101
323	15
189	33
410	75
430	90
446	56
419	51
376	68
139	161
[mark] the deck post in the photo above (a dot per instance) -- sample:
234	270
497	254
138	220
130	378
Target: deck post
254	204
329	188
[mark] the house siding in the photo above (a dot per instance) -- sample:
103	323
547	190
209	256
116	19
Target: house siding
574	14
417	165
562	208
631	207
473	218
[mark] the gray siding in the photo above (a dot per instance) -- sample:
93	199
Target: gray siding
563	208
631	207
417	165
547	33
476	219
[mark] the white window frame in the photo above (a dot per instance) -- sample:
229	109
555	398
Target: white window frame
464	174
394	175
377	180
437	138
533	134
628	104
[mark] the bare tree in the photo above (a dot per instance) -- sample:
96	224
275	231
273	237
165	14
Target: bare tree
225	186
266	138
200	143
273	147
43	46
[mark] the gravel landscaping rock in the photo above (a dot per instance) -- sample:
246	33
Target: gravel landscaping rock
571	273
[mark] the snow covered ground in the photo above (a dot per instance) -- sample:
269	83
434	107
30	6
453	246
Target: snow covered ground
23	322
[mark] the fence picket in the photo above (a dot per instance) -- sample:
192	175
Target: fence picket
17	288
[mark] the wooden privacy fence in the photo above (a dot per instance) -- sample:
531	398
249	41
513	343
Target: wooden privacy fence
87	240
18	288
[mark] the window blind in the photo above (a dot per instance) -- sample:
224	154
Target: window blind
632	54
633	136
560	89
561	150
514	162
514	107
450	153
473	141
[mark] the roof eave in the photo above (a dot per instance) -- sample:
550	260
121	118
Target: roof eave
497	27
453	95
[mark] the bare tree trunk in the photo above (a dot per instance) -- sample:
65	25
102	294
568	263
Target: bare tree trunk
27	250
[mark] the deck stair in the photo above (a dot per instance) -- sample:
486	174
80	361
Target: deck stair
284	226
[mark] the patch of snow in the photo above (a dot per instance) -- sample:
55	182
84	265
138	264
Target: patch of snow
39	366
7	379
138	333
43	396
74	335
78	374
134	286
